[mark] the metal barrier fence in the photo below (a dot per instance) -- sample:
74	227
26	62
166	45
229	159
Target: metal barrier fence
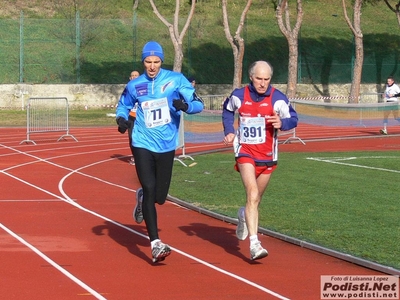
371	98
45	115
368	112
293	136
213	102
181	143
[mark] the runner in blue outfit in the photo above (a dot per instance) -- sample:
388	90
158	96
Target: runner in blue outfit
162	96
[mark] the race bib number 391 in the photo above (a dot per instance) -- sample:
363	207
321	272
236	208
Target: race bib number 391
252	130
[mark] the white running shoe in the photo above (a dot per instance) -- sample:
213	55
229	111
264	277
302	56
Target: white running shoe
160	251
383	131
241	229
257	251
132	161
138	212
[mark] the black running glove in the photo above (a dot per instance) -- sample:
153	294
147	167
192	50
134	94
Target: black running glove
123	125
179	104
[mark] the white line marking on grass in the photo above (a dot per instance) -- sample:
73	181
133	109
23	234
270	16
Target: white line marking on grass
338	161
51	262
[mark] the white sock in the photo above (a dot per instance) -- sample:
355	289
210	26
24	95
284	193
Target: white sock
243	214
253	239
153	242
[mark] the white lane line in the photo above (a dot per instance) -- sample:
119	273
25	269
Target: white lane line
30	200
51	262
244	280
69	200
35	186
268	291
60	186
47	160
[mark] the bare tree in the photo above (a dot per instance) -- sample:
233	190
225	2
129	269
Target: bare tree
176	37
81	33
292	36
87	9
355	27
395	9
236	41
135	5
90	10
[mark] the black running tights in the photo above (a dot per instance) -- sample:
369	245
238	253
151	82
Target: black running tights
154	171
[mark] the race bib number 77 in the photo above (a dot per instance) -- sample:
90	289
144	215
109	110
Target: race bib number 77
156	112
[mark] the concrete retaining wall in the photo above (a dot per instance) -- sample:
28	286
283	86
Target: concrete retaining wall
14	96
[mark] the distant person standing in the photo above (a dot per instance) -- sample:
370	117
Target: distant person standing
131	118
192	80
263	110
134	74
162	96
392	91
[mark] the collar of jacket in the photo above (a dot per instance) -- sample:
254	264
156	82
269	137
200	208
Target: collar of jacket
256	96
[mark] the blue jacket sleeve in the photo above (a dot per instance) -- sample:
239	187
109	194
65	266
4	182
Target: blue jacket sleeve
285	110
188	93
124	106
228	119
196	105
291	122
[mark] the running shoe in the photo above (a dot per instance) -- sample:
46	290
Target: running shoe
160	251
241	229
132	161
257	251
383	131
138	212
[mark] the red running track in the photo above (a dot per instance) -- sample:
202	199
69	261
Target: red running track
67	231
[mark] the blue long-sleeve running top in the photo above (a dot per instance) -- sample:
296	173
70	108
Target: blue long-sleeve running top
157	121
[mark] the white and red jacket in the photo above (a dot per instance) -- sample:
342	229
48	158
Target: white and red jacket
255	137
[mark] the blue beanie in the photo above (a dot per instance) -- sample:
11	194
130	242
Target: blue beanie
152	48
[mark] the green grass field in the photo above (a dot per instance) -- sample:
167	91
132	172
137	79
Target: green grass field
348	202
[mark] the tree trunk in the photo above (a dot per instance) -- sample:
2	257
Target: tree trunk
357	70
236	42
355	27
395	9
178	58
176	36
292	36
292	68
